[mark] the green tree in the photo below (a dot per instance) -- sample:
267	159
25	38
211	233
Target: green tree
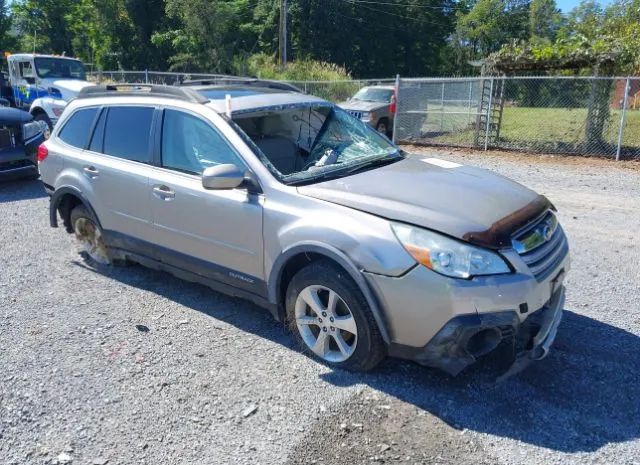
7	40
487	25
42	24
544	19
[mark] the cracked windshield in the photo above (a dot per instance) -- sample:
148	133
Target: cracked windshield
303	143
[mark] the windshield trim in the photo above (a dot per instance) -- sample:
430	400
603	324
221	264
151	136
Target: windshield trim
321	174
350	169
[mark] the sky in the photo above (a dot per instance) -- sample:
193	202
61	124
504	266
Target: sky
568	5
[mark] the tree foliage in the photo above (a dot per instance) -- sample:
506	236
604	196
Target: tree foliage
365	39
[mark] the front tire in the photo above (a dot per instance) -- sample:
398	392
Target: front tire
331	318
45	118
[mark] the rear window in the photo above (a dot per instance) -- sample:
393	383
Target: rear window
126	133
76	130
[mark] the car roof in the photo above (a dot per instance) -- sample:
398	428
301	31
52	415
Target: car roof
254	99
21	56
243	98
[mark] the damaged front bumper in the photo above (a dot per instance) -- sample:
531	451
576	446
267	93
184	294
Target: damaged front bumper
449	324
466	337
458	344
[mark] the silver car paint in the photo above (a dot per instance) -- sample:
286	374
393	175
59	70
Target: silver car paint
343	219
422	301
452	200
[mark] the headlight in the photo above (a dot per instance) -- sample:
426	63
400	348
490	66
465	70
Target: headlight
448	256
31	130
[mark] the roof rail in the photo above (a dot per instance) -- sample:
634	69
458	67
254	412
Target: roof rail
137	90
242	81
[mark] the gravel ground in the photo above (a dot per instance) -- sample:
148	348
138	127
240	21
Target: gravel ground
130	365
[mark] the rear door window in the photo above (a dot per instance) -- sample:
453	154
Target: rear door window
76	130
126	133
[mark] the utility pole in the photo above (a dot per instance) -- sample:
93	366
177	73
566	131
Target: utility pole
283	33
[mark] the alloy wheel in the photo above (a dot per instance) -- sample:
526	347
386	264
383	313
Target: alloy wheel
325	323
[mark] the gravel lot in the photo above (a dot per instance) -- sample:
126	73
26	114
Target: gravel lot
130	365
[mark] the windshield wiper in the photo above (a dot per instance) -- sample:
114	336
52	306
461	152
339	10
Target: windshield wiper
377	162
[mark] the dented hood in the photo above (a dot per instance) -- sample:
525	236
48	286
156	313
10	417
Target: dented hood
469	203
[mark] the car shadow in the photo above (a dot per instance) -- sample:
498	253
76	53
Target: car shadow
583	396
12	190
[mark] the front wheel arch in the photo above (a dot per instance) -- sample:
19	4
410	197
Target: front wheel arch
299	255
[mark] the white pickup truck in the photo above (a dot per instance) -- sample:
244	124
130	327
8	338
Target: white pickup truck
42	84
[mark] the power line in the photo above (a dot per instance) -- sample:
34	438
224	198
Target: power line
410	5
361	21
420	20
450	8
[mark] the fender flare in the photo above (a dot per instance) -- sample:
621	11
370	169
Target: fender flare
56	198
45	105
343	260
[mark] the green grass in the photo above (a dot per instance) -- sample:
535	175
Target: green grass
549	127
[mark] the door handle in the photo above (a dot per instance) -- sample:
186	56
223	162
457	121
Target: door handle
163	192
90	171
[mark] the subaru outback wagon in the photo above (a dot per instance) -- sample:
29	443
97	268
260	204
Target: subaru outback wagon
288	201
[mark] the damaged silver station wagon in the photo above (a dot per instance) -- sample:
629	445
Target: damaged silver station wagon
282	198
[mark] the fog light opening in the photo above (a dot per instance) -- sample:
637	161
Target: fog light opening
483	342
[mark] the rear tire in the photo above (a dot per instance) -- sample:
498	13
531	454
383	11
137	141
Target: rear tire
338	327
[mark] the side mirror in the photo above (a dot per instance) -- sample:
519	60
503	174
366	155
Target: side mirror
222	177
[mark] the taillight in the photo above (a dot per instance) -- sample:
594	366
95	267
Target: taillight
392	106
42	152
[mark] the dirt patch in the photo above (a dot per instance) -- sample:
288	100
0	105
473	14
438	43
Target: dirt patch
374	428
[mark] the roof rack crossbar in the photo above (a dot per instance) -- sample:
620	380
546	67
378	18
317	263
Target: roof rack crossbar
137	90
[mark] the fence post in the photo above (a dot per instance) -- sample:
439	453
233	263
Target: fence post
394	137
623	117
442	108
486	134
469	103
146	76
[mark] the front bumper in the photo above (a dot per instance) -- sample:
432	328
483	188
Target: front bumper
448	323
17	162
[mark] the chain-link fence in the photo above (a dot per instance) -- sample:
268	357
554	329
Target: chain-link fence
334	91
571	115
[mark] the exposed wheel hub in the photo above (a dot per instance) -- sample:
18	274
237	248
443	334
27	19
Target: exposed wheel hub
90	236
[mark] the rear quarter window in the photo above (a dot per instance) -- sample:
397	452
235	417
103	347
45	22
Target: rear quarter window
76	130
126	133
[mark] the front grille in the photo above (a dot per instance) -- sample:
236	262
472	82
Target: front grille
542	245
357	114
7	139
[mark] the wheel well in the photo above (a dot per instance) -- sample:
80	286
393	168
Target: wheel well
295	264
67	203
37	111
